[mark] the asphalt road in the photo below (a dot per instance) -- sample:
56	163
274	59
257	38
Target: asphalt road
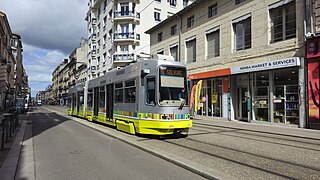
232	150
57	148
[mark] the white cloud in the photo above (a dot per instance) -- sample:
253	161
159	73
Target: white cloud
50	30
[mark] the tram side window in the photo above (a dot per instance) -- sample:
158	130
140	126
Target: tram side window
102	97
81	99
118	92
90	98
150	91
130	91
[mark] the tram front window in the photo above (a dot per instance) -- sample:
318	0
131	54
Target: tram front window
172	86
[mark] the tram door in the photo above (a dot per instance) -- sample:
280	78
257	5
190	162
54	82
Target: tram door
96	101
78	102
109	102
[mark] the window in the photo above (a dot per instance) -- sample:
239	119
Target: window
173	2
283	21
124	9
157	16
174	52
212	10
213	44
239	1
191	51
160	51
90	99
173	29
118	92
151	91
190	21
185	3
172	85
130	91
242	32
159	37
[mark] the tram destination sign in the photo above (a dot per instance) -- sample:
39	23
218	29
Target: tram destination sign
283	63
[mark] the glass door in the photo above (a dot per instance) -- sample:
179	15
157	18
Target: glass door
242	104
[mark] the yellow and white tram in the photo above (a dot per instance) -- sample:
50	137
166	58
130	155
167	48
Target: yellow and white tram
146	97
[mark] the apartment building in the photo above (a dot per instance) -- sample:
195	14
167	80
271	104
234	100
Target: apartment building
58	84
7	65
21	78
116	30
247	54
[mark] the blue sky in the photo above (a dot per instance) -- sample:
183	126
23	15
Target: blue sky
50	31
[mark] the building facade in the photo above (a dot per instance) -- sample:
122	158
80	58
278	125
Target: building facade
7	65
116	30
248	55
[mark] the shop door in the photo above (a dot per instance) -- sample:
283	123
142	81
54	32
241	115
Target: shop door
242	104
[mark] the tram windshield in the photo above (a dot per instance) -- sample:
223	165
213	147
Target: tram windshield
172	85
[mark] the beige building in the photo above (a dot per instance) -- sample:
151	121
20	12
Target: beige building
58	84
249	55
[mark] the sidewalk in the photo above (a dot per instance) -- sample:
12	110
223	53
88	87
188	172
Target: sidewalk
259	127
9	157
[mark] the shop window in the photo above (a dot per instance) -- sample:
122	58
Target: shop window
286	96
191	51
260	96
283	20
130	91
213	44
242	32
214	97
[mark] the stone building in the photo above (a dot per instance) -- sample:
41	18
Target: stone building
249	54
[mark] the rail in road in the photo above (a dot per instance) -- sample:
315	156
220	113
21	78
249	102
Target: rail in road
229	152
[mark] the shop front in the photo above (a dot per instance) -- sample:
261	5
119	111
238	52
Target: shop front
313	59
268	92
213	96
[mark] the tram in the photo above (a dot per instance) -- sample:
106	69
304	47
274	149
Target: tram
145	97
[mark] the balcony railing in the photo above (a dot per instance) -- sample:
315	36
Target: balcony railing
123	57
126	14
128	35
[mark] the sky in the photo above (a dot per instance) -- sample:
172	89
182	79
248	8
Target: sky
50	30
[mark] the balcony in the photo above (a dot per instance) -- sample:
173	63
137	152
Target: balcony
129	36
123	58
133	1
94	21
127	16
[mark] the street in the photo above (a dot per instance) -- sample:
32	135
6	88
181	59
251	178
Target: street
64	149
57	146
